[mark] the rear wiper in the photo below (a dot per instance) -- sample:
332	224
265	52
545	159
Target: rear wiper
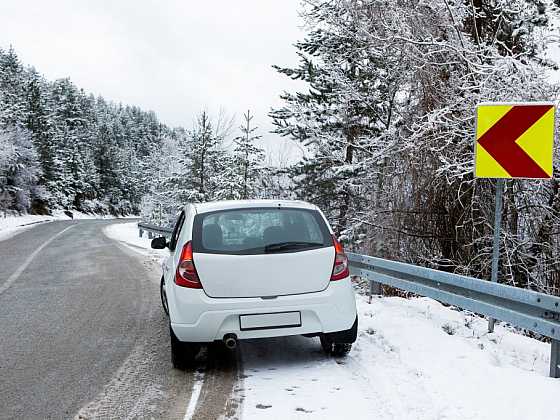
287	246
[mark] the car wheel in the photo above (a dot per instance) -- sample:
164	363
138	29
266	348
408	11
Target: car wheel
339	343
326	344
341	349
163	296
182	354
334	349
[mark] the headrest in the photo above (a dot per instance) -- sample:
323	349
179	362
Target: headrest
212	236
273	234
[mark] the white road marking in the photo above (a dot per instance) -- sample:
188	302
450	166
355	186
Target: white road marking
197	387
26	263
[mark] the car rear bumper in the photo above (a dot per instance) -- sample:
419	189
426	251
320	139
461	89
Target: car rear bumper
195	317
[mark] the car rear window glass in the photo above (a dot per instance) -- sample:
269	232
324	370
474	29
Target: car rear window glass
255	231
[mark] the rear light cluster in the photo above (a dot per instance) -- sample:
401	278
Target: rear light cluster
340	269
186	275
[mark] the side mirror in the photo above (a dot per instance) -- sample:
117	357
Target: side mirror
159	243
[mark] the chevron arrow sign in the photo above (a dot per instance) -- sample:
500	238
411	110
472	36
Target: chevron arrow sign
514	140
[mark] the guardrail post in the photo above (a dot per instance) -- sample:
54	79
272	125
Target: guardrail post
555	359
375	288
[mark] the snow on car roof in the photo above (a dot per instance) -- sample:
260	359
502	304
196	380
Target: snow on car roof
243	204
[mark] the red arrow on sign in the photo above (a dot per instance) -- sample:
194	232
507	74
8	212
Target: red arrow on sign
500	141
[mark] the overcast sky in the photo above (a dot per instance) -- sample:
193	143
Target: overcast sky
174	57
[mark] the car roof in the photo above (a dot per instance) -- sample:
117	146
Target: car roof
247	204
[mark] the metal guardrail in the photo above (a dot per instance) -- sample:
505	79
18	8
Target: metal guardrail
537	312
154	230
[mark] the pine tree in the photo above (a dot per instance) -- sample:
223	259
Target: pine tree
165	178
37	121
248	158
19	169
203	158
12	90
329	120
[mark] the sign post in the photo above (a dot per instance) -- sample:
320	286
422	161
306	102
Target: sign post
496	246
513	140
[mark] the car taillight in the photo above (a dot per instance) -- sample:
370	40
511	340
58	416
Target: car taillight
186	275
340	269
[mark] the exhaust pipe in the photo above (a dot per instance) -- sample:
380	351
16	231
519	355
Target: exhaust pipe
230	341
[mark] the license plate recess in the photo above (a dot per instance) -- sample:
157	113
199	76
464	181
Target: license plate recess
270	321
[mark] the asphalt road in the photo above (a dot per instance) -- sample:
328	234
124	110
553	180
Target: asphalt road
82	333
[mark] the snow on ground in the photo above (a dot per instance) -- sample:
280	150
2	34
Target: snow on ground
403	366
128	235
12	225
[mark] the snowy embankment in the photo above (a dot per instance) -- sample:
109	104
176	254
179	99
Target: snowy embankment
414	359
12	225
127	234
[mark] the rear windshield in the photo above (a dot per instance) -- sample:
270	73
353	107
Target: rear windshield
259	231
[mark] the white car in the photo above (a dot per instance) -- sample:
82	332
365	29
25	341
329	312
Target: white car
255	269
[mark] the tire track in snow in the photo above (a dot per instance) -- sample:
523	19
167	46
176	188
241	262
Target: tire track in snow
195	393
216	399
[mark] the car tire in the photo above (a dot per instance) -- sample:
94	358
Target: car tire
339	344
163	296
182	354
326	344
334	349
341	349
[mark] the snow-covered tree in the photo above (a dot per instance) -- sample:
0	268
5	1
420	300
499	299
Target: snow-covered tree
247	158
12	90
201	155
348	103
19	169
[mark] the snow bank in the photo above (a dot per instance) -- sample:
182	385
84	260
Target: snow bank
414	359
127	234
12	225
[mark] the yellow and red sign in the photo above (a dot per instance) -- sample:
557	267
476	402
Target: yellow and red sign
514	140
